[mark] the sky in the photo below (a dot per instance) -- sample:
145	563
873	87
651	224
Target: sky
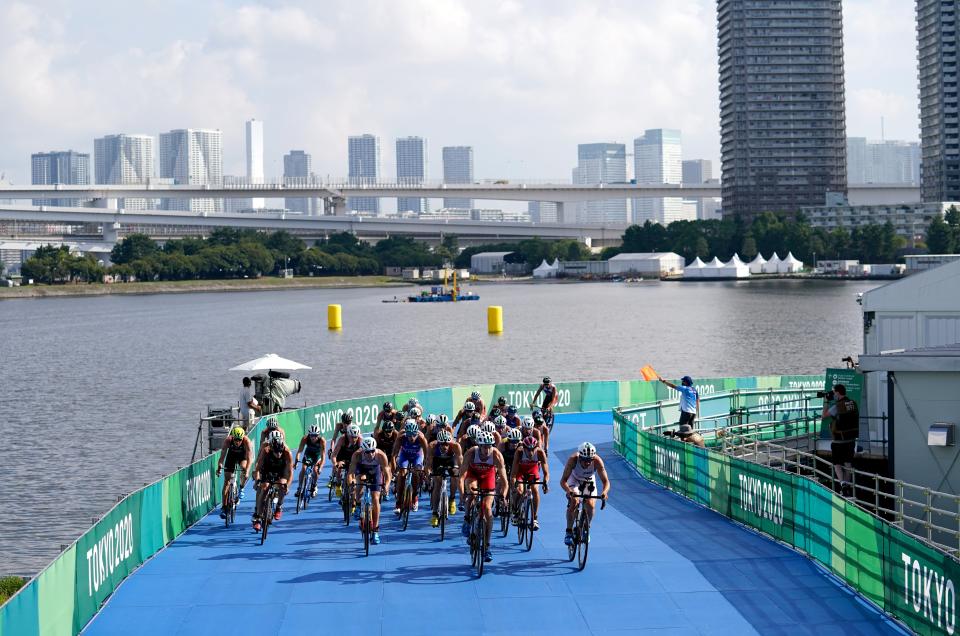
521	82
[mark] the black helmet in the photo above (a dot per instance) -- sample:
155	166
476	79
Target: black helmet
494	412
346	418
502	401
387	406
546	379
387	426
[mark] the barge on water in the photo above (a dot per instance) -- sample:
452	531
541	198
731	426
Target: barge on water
442	295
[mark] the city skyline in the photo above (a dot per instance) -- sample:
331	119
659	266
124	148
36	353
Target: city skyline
529	135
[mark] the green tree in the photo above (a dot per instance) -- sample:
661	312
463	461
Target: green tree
748	249
941	238
952	216
132	248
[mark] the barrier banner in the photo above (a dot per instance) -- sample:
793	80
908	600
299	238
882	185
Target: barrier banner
921	584
198	489
762	498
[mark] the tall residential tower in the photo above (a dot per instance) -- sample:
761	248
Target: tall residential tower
937	29
66	167
782	122
458	168
192	156
601	163
411	170
297	169
254	148
125	160
656	160
363	156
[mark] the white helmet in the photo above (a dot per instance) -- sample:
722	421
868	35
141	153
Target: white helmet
275	439
353	431
515	435
485	438
368	444
489	427
500	421
527	422
473	430
414	412
587	451
442	419
412	402
444	436
469	407
431	419
273	424
313	430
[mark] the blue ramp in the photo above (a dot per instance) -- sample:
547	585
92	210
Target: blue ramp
658	564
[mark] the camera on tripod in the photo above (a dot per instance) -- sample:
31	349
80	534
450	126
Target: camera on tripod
271	390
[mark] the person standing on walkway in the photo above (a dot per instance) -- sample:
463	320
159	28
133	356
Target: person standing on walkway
249	408
844	429
689	400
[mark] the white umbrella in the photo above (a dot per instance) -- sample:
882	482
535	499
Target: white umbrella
270	361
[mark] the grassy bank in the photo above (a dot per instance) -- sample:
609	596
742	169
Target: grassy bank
187	286
9	586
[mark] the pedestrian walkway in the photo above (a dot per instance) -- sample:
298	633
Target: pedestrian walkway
658	564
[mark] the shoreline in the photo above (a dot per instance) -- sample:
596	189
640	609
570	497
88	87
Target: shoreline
197	286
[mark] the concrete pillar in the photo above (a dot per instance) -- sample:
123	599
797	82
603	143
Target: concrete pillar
104	203
339	206
561	212
111	232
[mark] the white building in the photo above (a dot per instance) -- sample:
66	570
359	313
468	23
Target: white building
646	263
254	148
192	156
657	160
888	162
488	262
60	167
910	220
596	164
411	170
458	168
125	160
923	262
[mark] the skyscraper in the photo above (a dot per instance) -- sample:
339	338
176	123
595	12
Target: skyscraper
298	168
542	211
782	122
125	160
66	167
601	163
254	148
656	160
192	156
889	162
696	171
363	153
458	168
411	170
937	29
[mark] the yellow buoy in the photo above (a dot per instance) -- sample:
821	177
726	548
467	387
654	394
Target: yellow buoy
494	319
334	318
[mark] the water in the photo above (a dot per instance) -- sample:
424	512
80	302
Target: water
103	395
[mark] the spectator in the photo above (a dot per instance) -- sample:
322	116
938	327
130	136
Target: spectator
689	400
844	429
249	408
690	436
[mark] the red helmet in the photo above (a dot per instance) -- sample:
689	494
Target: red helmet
530	441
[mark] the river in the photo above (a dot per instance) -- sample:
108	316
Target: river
102	395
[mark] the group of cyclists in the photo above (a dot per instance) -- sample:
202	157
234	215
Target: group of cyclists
493	453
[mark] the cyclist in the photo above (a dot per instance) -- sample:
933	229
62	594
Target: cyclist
346	419
312	446
343	450
491	428
508	447
415	414
540	425
408	453
494	414
386	437
500	425
370	463
580	477
462	420
502	404
469	439
275	466
411	403
550	397
526	467
527	427
478	404
435	424
272	425
237	449
513	420
385	415
483	469
443	458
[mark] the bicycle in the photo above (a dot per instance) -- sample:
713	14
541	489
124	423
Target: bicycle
478	535
502	510
548	418
304	495
366	516
443	503
405	498
336	479
524	513
268	506
233	498
581	527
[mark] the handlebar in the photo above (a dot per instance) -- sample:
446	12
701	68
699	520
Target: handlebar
603	499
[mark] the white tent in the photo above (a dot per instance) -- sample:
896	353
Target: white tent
772	266
555	264
545	270
735	268
694	269
790	265
756	265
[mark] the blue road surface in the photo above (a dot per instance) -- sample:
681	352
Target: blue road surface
658	564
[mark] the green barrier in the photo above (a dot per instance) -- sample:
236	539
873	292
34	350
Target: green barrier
900	574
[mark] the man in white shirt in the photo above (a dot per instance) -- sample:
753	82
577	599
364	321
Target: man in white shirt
249	408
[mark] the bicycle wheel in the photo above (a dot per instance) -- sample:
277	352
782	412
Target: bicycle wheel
521	532
345	506
367	528
407	504
442	513
527	517
267	517
504	511
572	548
300	492
584	543
483	546
331	485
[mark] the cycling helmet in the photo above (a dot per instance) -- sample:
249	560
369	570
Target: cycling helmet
501	401
346	417
276	441
494	412
412	402
526	422
488	427
587	451
511	410
431	419
546	379
485	438
237	432
387	426
530	441
442	419
476	419
399	416
536	411
388	406
472	431
475	395
368	444
515	435
353	431
469	407
273	424
444	437
414	412
411	427
500	421
313	430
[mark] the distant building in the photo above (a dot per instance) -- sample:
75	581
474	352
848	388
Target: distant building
481	214
656	160
458	168
923	262
699	172
125	160
888	162
937	31
601	163
254	148
363	156
488	262
646	263
192	156
910	220
298	168
783	143
411	170
542	211
64	167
